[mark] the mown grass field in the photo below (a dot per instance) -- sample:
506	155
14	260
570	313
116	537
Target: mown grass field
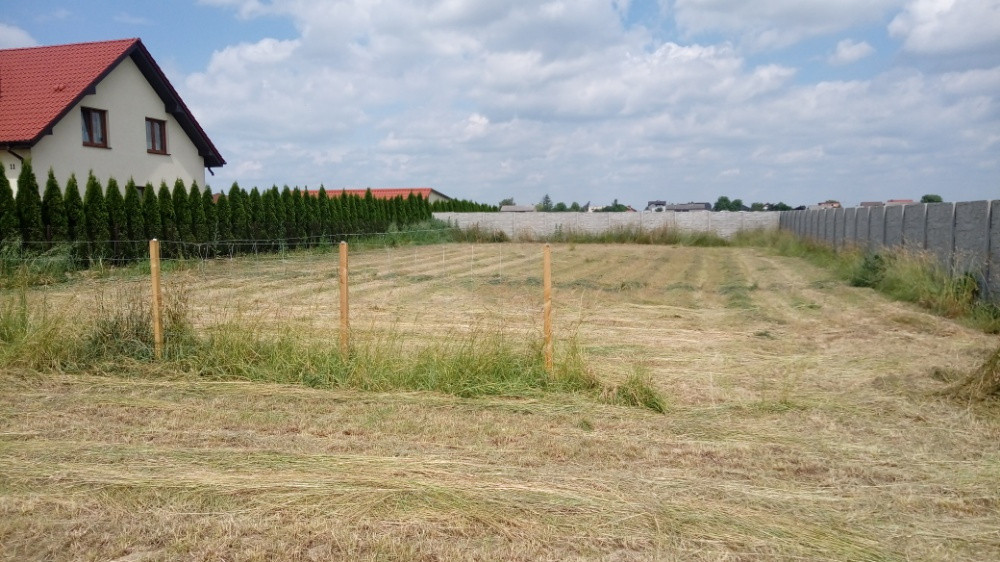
802	422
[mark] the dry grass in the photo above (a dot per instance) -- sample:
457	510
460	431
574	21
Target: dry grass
803	421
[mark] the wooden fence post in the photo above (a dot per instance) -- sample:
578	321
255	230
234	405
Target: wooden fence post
154	268
345	325
547	306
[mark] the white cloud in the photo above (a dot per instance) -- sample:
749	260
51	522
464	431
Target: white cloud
12	37
767	24
849	51
948	26
484	100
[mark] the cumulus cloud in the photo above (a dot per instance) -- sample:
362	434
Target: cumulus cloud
768	24
948	26
489	99
12	37
849	51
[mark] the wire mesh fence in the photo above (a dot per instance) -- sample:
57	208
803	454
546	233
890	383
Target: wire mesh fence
415	292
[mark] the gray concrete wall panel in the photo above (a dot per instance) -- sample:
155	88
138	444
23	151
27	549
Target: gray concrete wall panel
971	237
914	223
993	265
894	226
850	226
876	228
940	231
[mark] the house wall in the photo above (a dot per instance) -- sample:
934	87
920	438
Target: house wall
963	237
129	99
545	224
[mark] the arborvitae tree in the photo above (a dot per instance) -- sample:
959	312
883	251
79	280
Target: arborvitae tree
76	222
254	215
336	219
29	207
301	217
168	220
288	208
135	230
394	210
351	209
279	215
151	213
412	208
8	211
53	211
238	213
224	218
182	211
116	218
199	228
383	214
211	217
271	230
311	206
95	213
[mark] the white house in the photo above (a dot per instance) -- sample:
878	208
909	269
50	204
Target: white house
104	106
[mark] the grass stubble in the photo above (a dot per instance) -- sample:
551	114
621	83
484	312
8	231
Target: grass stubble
804	418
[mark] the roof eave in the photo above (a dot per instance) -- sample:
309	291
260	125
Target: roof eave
174	105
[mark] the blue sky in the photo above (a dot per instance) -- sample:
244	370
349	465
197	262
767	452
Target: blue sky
684	100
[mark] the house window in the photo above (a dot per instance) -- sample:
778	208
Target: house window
95	127
156	136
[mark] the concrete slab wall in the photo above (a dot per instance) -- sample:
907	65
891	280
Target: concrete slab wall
964	237
546	224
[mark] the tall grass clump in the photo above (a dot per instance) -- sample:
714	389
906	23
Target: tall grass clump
915	277
478	363
982	384
31	336
122	327
636	390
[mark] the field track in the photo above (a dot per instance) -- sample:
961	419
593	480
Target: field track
802	423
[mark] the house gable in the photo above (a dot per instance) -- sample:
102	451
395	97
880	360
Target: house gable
43	89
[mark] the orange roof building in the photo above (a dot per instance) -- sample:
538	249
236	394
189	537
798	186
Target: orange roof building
428	193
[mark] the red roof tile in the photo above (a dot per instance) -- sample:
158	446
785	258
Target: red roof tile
38	85
380	192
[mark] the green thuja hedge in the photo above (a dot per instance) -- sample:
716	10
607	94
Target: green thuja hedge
112	224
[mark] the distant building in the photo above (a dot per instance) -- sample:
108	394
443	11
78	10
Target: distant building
900	202
661	206
825	205
686	207
872	204
517	209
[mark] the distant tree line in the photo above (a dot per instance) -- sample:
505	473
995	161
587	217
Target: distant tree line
723	203
109	224
462	206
